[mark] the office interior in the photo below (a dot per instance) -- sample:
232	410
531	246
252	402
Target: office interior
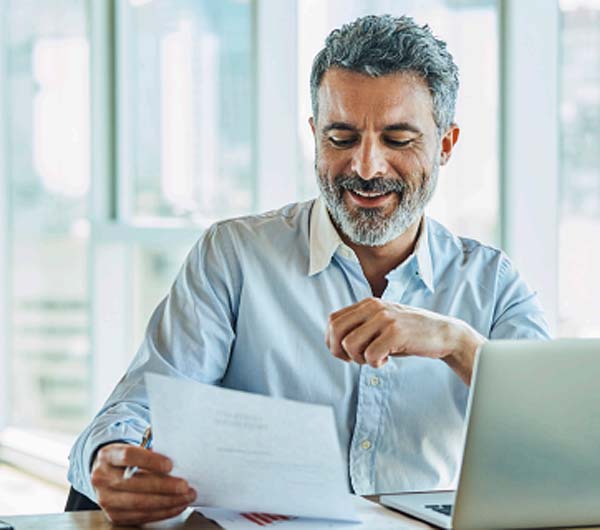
127	127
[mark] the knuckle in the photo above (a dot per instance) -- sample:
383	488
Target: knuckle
113	482
332	319
103	499
97	479
386	316
383	312
342	356
163	463
371	357
373	302
180	486
349	344
103	455
128	453
335	338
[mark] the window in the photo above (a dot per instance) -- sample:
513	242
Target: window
48	167
579	230
185	109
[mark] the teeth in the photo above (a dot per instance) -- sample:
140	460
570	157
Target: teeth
369	194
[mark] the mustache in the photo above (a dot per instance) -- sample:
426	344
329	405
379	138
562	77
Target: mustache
377	185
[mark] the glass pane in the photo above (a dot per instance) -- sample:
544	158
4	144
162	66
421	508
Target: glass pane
467	198
579	252
185	118
48	160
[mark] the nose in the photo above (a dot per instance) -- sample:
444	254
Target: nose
368	160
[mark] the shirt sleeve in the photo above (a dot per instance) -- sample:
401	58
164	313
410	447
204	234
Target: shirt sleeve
189	335
517	312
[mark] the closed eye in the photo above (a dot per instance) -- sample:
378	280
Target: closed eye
398	143
342	142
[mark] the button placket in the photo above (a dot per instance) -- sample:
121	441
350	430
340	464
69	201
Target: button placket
366	430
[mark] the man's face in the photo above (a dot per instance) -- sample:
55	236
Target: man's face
377	152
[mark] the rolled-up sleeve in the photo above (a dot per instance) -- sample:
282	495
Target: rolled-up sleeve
189	336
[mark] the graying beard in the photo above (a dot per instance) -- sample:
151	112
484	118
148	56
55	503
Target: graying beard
369	227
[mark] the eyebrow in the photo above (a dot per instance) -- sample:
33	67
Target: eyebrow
338	125
401	126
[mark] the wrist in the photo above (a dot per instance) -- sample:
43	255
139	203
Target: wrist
465	345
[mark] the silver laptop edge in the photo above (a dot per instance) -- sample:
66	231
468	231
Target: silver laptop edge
532	439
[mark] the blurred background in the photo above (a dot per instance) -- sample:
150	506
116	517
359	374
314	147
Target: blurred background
128	126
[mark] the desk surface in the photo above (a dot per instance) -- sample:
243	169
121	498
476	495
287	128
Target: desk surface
96	520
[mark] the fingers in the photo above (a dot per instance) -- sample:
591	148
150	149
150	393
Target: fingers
113	501
143	482
141	517
377	352
150	483
343	322
373	330
149	495
355	343
124	455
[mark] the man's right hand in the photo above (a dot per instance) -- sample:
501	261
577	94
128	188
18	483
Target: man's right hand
150	495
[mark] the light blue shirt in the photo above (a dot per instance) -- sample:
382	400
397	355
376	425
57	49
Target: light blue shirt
249	310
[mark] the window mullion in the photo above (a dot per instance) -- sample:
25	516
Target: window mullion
529	145
277	100
5	246
111	261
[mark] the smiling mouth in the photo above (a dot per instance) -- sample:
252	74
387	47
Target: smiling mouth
369	199
370	194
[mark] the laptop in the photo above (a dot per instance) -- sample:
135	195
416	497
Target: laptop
531	456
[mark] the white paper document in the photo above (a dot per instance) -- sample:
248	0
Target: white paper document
251	453
373	517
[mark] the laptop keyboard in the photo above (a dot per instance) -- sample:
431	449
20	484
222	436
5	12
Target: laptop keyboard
446	509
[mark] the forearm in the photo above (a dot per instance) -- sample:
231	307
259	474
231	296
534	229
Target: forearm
462	357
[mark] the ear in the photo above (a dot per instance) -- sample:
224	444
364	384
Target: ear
311	122
448	142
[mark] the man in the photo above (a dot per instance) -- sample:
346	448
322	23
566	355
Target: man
274	303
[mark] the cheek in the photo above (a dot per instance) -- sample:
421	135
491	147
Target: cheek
332	162
412	166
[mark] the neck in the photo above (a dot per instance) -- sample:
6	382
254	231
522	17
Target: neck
377	262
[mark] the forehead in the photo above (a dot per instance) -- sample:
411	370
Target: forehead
361	100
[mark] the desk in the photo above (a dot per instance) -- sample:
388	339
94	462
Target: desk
96	521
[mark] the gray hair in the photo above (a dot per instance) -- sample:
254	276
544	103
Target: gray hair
380	45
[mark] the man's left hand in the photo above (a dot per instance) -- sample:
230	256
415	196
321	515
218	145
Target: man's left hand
371	330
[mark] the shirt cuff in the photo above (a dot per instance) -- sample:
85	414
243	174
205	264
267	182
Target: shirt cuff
88	444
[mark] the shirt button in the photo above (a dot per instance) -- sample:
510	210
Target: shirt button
374	381
366	445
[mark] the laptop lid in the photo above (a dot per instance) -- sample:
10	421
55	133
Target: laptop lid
532	448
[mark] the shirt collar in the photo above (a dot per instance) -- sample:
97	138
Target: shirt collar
324	241
423	254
